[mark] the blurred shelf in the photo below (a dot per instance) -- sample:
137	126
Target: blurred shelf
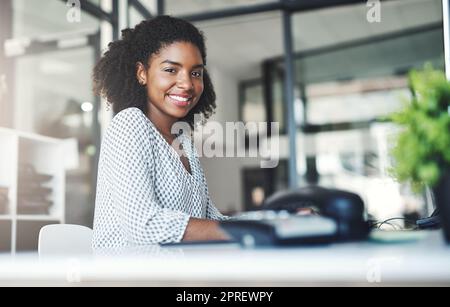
30	217
30	161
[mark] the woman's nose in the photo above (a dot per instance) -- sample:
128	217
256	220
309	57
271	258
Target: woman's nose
184	81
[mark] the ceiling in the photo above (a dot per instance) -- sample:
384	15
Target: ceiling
185	7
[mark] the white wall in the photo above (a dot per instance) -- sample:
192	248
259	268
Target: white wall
224	174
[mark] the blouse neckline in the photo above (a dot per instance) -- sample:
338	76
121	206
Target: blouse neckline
186	148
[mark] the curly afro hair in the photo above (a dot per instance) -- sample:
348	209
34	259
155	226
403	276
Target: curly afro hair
115	74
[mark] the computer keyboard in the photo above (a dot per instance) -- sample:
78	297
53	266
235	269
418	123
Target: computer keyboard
280	228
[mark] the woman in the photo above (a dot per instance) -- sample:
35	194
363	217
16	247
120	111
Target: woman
147	192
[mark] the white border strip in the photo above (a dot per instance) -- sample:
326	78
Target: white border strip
445	11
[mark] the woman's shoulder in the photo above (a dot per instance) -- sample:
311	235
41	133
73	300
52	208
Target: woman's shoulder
130	123
129	115
129	119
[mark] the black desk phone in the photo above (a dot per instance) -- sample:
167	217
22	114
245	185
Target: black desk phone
340	219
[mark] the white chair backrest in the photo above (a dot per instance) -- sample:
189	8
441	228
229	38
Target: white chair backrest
67	240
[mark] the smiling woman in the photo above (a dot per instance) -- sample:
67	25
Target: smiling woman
147	192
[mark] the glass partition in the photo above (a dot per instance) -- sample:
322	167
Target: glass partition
350	74
46	18
135	17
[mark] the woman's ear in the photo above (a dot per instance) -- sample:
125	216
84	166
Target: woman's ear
141	73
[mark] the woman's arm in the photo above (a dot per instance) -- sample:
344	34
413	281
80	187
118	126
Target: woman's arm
204	230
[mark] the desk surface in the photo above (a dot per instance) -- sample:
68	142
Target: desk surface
424	262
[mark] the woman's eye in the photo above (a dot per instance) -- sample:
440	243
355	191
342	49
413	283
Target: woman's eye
197	74
169	70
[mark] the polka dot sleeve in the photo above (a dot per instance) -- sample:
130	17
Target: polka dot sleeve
126	168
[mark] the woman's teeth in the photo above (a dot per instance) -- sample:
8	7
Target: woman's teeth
178	98
180	101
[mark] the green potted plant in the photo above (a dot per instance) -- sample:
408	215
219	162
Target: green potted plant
422	149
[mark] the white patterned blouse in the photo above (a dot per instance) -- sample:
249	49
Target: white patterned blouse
145	195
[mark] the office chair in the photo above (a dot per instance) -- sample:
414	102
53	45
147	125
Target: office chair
65	240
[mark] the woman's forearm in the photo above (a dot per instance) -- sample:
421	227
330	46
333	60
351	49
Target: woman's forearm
204	230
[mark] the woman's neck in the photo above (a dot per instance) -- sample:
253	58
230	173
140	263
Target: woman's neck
162	122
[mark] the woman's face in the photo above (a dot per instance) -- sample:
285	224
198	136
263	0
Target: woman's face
174	81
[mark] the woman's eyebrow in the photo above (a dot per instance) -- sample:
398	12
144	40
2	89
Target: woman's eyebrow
181	65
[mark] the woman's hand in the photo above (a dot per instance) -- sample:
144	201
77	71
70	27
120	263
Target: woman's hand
306	211
204	230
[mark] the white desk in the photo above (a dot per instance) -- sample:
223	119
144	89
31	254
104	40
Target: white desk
426	262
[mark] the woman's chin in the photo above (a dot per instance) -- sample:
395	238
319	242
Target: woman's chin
178	114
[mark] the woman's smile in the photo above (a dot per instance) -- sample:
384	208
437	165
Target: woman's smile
180	100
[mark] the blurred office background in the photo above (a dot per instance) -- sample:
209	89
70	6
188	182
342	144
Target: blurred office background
347	73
